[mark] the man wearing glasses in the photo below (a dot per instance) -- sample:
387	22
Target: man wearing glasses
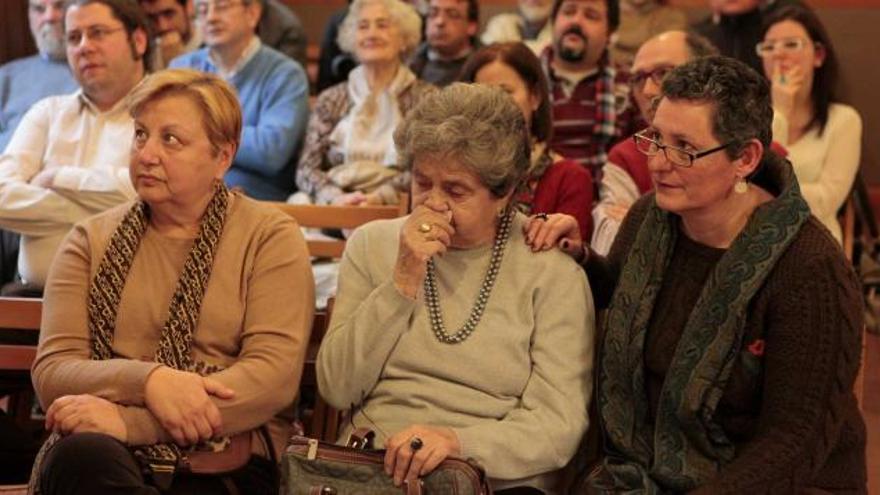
450	39
591	98
28	80
272	89
175	33
68	158
626	177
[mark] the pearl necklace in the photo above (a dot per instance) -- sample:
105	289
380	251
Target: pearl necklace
432	296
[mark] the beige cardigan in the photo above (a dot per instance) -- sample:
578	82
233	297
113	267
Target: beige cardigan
255	320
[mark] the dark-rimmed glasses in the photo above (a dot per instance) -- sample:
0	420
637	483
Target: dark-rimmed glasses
638	78
678	156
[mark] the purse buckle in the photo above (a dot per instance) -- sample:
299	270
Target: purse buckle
361	438
312	454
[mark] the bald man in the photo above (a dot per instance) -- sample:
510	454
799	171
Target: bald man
625	176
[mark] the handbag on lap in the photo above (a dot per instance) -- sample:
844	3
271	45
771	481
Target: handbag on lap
312	467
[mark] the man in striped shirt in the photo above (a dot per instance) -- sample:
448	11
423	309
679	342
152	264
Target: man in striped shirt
592	109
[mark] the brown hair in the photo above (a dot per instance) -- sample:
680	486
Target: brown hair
521	59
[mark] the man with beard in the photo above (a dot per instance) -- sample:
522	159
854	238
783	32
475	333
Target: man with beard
273	91
28	80
451	29
591	98
530	25
68	158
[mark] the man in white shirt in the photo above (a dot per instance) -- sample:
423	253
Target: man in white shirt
68	158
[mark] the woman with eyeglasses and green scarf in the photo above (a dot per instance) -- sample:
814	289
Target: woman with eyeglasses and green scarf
733	323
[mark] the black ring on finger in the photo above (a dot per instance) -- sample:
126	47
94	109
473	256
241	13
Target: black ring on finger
541	216
416	443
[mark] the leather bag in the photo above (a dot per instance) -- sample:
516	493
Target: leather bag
234	456
312	467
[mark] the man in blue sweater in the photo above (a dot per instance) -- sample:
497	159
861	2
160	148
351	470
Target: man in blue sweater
26	81
273	91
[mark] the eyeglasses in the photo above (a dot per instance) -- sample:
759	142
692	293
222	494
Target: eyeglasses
786	45
676	155
638	78
94	33
220	6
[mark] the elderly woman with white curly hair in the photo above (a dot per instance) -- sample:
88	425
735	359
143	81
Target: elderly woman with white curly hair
449	335
349	155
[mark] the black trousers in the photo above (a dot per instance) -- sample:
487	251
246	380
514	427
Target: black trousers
8	256
99	464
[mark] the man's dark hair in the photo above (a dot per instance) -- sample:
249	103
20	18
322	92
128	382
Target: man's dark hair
613	18
132	17
473	10
182	3
739	96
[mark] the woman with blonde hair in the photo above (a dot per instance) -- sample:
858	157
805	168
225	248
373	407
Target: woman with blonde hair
349	157
175	324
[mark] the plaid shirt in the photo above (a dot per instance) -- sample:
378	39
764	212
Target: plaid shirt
596	114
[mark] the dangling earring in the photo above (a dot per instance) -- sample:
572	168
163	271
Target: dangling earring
741	186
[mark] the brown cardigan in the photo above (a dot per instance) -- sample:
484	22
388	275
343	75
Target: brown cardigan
794	421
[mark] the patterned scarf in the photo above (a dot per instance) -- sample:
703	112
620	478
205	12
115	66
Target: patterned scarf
685	447
175	342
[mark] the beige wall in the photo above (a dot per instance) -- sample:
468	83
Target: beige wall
850	22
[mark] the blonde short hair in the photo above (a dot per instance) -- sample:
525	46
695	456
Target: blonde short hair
221	112
402	14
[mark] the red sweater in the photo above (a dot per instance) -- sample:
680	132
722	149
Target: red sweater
566	187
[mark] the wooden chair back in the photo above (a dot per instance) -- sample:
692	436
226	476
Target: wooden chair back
323	421
338	217
19	330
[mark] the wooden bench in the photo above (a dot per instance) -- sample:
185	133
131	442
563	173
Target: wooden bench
337	217
19	332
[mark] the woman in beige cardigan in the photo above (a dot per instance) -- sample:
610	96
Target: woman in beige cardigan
449	335
174	321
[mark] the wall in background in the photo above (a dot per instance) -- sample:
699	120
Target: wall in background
15	37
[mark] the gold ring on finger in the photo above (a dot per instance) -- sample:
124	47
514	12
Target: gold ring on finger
425	227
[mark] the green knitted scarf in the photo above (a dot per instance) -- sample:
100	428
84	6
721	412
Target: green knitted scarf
685	447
